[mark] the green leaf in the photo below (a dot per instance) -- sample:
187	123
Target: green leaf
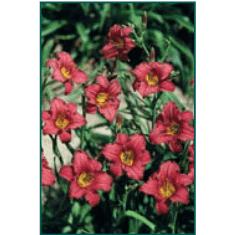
182	20
169	96
84	211
53	27
66	37
185	50
175	57
103	14
134	18
47	50
66	229
169	156
76	209
152	15
140	218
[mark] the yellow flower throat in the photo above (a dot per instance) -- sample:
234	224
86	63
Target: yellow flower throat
127	158
62	122
84	179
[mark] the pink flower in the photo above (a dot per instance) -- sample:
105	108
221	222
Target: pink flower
153	77
66	71
86	178
119	44
128	154
172	127
48	178
167	185
103	97
191	164
61	119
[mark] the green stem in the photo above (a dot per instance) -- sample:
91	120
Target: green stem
174	219
145	48
97	126
157	96
56	149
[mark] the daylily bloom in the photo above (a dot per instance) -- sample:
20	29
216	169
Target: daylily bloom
86	178
61	119
191	164
167	185
152	77
127	154
66	71
119	44
48	178
172	127
103	97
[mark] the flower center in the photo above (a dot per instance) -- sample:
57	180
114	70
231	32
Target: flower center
65	73
85	179
102	98
127	158
119	44
173	128
167	190
62	122
151	80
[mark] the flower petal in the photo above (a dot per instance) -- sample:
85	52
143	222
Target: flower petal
102	81
66	172
161	207
112	152
92	198
116	169
79	77
68	88
150	187
102	181
65	136
181	195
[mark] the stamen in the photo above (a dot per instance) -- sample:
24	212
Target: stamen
127	158
62	122
119	44
102	98
167	190
173	129
85	179
151	80
65	73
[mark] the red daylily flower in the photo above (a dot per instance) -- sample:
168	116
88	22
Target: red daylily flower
152	77
119	44
66	71
191	164
86	178
172	127
127	154
103	96
61	119
48	178
167	185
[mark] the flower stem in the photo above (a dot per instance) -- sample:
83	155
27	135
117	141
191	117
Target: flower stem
56	149
174	219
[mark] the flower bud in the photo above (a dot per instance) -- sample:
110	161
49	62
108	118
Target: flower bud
152	55
145	19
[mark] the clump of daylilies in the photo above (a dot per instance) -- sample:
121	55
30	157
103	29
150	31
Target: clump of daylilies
128	154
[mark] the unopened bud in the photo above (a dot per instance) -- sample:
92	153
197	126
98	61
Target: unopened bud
152	55
145	19
119	121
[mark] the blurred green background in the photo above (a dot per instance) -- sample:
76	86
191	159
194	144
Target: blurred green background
81	29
